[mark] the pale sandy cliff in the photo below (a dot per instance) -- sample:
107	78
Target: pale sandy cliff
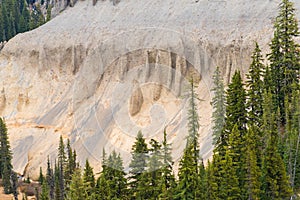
99	74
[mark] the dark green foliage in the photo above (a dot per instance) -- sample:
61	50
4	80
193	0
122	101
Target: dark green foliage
291	154
112	183
193	125
284	56
70	163
58	180
212	184
229	170
102	184
77	188
188	177
6	179
253	170
41	177
116	181
188	182
14	188
167	177
50	180
57	191
17	16
275	183
236	151
138	163
154	170
37	18
255	88
25	17
61	167
218	104
45	192
235	111
5	158
88	179
229	186
202	183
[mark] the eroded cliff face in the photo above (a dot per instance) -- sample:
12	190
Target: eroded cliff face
99	74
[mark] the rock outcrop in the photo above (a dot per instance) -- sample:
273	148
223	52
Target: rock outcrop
99	74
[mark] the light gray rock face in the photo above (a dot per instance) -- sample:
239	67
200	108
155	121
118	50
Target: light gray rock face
99	74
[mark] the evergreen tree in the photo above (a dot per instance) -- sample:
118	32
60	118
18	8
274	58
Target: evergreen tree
41	177
14	18
275	183
138	163
229	186
36	19
267	79
6	179
226	174
2	32
193	126
235	111
50	180
167	178
61	167
202	186
14	180
117	183
235	161
154	170
188	183
45	192
255	88
253	175
70	163
102	183
218	103
5	158
284	56
77	188
25	18
212	184
188	178
88	179
6	29
291	155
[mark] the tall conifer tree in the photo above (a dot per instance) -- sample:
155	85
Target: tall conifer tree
255	88
218	103
138	164
167	178
117	183
5	158
154	169
88	179
188	183
235	112
284	56
275	184
253	170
